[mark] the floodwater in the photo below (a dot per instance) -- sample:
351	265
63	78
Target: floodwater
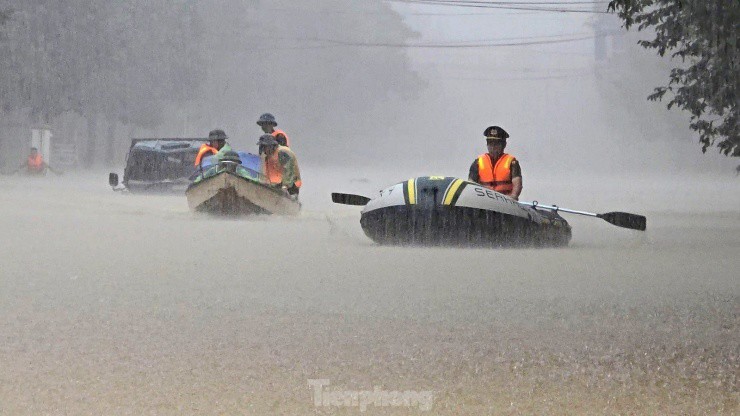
130	304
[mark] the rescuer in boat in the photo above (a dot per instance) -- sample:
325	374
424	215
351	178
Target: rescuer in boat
495	169
279	165
228	161
35	164
268	124
216	141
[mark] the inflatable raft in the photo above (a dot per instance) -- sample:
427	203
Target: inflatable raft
437	210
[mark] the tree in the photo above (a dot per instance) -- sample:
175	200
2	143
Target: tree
190	66
703	34
4	15
122	62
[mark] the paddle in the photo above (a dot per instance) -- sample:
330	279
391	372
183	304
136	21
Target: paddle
620	219
349	199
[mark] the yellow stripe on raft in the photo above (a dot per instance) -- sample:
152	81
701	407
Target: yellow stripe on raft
451	193
412	191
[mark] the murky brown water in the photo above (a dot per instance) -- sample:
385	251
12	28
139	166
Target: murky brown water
128	304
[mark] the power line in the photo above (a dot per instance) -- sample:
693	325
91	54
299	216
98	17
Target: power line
444	3
302	11
505	6
508	3
542	78
441	45
476	43
530	70
559	37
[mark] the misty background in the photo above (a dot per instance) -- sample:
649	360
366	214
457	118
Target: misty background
125	303
393	85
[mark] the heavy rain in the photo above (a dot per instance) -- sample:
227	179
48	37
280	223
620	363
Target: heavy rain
117	301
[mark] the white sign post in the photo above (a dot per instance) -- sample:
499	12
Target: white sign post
41	139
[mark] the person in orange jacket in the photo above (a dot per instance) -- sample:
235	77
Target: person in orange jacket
216	140
268	123
279	165
495	169
35	164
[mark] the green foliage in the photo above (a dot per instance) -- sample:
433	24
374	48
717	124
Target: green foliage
703	34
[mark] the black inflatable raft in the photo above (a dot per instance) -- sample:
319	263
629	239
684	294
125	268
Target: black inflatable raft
437	210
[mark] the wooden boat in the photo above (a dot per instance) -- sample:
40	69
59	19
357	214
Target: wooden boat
234	190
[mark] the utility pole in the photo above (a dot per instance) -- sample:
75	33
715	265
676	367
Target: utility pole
600	32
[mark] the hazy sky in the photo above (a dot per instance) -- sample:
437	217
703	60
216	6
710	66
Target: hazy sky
550	97
345	95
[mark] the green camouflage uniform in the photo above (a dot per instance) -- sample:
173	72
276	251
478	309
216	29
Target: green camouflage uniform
224	149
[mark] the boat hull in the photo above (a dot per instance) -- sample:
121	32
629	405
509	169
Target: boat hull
451	211
460	226
229	194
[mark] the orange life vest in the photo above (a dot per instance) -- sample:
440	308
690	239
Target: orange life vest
278	131
204	148
496	177
35	164
273	170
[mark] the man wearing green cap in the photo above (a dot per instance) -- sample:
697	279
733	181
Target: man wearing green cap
495	169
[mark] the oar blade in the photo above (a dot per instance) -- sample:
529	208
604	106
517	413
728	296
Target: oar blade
625	220
349	199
